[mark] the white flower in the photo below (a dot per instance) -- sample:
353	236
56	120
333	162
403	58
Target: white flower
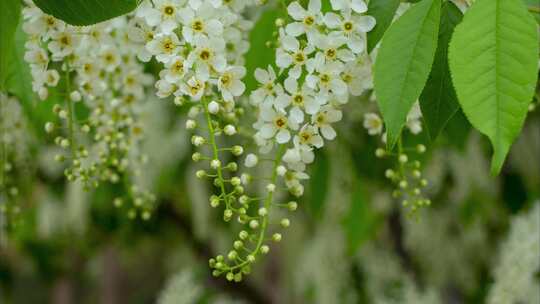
358	77
41	24
297	157
208	55
164	46
323	120
373	123
290	53
175	69
293	179
276	123
200	22
414	123
213	107
63	44
164	88
37	56
229	130
251	160
268	88
306	20
358	6
300	99
230	84
164	14
351	27
328	78
308	136
194	87
109	58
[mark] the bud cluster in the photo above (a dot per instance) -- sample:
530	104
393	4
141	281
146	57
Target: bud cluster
101	76
407	177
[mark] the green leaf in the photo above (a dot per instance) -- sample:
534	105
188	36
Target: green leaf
383	11
10	13
86	12
493	58
318	184
403	63
438	100
360	222
259	55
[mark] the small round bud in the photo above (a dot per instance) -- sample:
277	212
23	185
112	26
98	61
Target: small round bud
64	143
251	160
281	170
270	187
85	128
420	148
416	174
215	163
213	107
197	141
243	235
43	93
280	22
229	130
235	181
238	245
254	224
230	276
292	206
196	156
75	96
403	158
423	182
285	223
200	174
405	203
191	124
232	166
146	215
380	153
250	258
63	114
244	199
214	201
389	173
227	214
49	127
265	249
232	255
237	150
416	191
118	202
276	237
263	212
403	184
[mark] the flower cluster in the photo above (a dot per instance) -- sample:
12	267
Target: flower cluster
516	274
13	153
320	57
407	175
102	77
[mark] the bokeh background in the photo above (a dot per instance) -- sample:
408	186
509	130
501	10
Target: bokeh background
349	240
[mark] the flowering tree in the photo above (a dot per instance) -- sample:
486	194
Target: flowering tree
261	89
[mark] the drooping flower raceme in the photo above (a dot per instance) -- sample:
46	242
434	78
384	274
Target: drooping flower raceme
94	68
